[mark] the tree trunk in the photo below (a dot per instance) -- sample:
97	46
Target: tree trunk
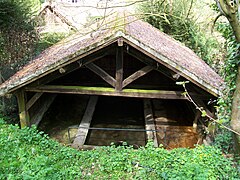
234	22
235	117
230	10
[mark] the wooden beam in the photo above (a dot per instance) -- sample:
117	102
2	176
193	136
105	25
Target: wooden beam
149	61
23	112
85	123
33	100
137	75
139	93
119	68
103	74
149	122
37	117
120	42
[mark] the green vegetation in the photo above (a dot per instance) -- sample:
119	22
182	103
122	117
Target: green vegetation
29	154
19	41
179	20
17	33
48	39
229	72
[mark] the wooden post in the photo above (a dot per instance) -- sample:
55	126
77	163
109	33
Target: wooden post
149	122
85	123
23	112
197	116
119	67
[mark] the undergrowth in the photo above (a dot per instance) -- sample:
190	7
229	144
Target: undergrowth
29	154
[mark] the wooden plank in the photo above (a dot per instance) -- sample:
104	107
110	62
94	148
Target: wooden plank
37	117
140	93
33	100
137	75
119	68
85	123
23	112
149	122
103	74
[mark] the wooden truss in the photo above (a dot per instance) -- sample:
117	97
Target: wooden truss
45	94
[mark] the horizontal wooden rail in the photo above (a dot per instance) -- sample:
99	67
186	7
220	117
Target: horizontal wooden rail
105	91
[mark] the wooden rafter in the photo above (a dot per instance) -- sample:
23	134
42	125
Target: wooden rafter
137	75
140	93
103	74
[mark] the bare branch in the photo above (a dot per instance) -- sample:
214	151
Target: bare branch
190	8
109	7
215	20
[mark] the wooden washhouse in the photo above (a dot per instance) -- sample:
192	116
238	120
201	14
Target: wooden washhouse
117	80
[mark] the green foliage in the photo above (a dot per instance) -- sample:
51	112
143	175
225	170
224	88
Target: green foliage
19	42
17	34
178	20
29	154
223	140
